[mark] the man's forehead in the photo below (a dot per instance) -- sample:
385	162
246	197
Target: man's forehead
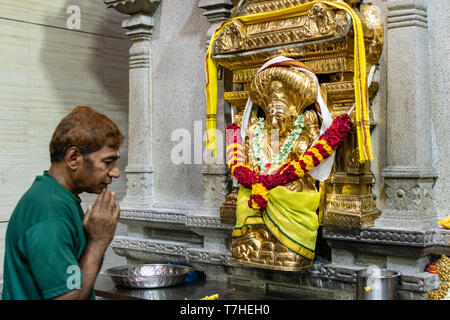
107	152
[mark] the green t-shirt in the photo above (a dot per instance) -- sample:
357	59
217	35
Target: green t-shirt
44	242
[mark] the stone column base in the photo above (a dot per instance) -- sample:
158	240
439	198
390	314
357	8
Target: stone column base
409	199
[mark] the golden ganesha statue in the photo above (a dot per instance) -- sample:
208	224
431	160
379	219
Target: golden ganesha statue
283	94
282	233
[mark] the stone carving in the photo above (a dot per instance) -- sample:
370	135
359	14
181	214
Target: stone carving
216	186
332	54
209	257
320	275
177	250
372	235
133	6
386	236
407	14
166	216
331	58
195	221
407	194
216	11
409	175
148	245
215	189
140	50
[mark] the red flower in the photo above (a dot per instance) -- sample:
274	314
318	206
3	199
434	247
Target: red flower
338	130
290	174
233	126
277	180
333	141
267	181
259	200
245	176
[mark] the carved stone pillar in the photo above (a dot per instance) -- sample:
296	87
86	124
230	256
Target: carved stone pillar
214	171
409	176
139	170
217	11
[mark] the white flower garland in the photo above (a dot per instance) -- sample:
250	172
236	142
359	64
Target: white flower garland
286	148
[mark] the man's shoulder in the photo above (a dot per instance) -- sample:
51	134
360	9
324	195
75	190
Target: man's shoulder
46	195
42	201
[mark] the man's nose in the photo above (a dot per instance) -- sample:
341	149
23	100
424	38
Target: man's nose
115	172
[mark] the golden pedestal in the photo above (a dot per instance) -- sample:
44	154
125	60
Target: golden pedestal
349	203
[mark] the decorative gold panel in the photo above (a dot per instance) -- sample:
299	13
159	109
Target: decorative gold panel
349	201
322	39
260	6
320	23
237	98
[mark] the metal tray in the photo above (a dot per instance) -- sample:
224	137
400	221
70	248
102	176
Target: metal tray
148	275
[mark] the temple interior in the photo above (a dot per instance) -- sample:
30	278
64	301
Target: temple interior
169	71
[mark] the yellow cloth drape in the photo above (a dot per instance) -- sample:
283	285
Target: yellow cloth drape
360	72
290	216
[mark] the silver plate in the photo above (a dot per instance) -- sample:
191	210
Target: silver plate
148	275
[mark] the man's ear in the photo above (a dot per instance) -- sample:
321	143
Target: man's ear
73	158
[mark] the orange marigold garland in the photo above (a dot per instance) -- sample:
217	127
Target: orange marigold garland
290	171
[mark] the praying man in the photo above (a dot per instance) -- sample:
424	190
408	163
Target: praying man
53	249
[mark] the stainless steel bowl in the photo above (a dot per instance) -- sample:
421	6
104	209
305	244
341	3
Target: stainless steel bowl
148	275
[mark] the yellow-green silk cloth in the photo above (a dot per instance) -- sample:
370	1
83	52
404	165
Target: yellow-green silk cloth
290	216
